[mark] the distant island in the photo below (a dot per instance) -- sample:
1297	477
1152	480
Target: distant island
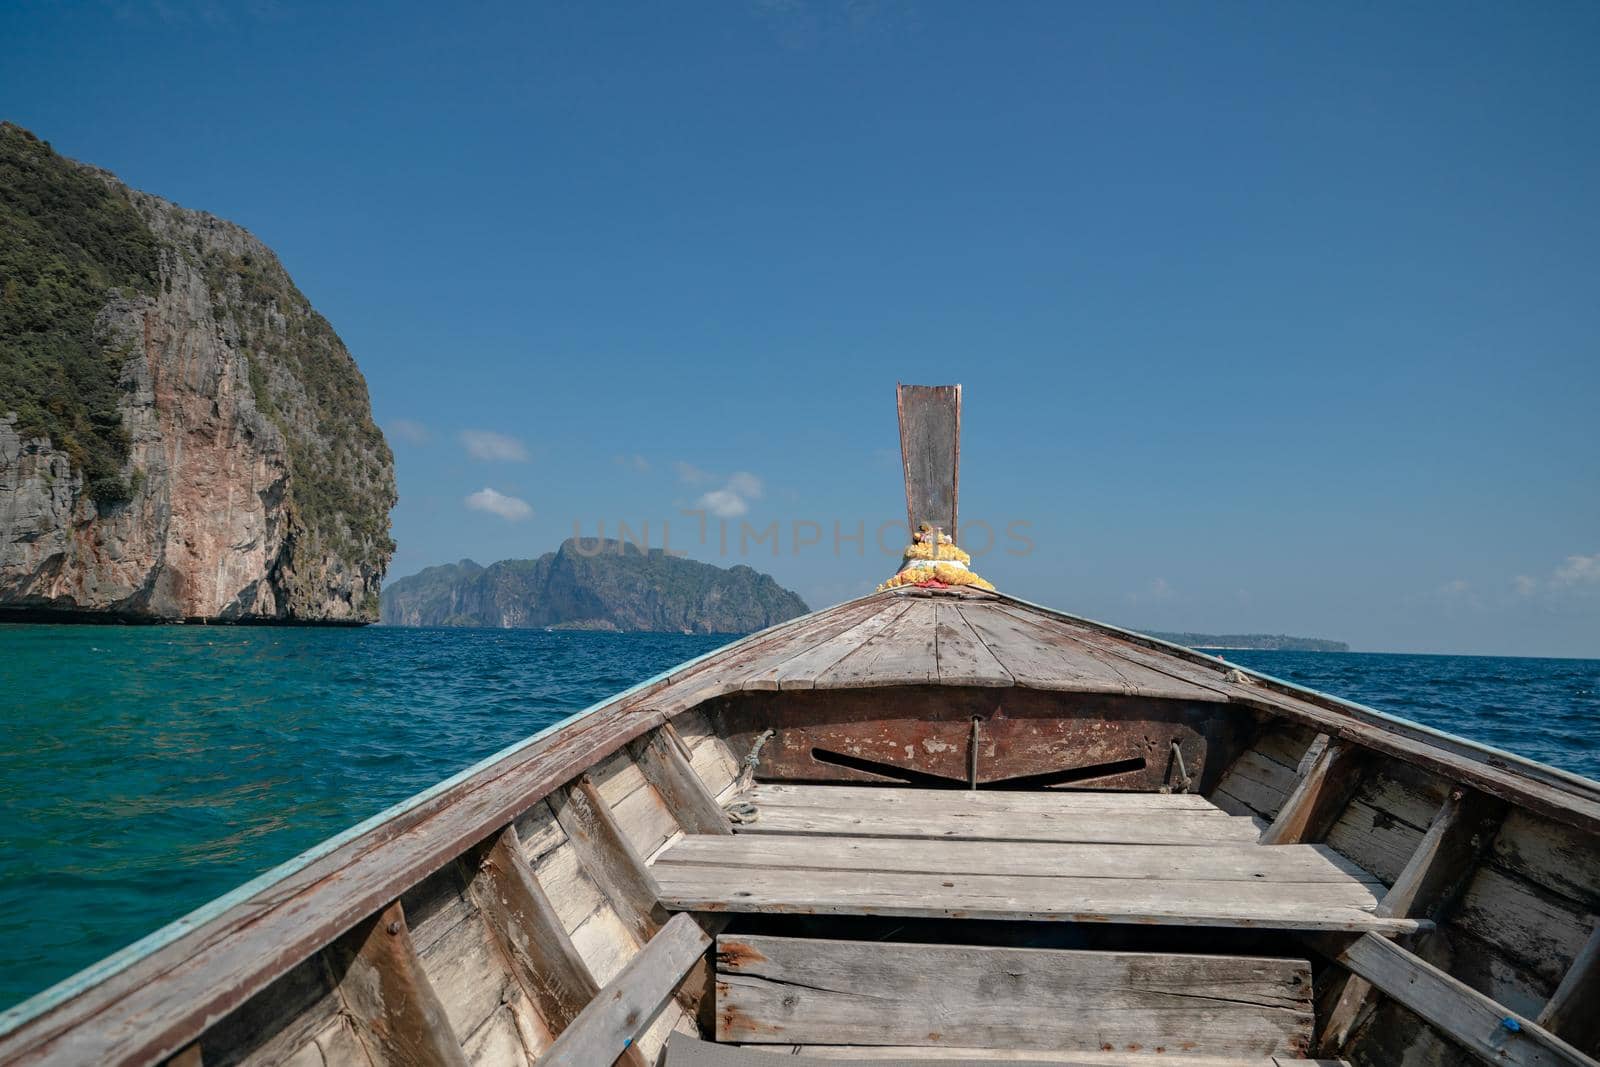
1269	642
592	584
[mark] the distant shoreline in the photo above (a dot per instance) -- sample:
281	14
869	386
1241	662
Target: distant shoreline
1251	642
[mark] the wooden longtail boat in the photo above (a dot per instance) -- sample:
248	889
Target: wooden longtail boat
937	824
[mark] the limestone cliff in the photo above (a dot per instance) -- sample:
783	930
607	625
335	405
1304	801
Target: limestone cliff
593	585
181	434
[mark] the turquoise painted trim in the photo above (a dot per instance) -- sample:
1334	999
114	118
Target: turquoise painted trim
1589	784
95	973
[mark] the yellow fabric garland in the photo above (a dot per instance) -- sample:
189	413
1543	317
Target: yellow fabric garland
949	563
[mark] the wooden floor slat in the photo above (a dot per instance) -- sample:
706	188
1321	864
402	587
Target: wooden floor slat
833	796
1289	865
1311	906
866	993
1150	828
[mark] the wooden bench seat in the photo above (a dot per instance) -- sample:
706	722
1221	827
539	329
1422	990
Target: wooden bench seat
953	814
807	992
1063	857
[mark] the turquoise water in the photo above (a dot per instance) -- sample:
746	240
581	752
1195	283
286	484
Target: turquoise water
146	770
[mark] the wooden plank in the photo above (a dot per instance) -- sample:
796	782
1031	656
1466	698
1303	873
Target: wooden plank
779	989
1438	870
611	1022
1312	906
930	453
1573	1010
664	759
963	658
898	1055
1041	656
759	669
1449	851
1286	865
394	1009
902	653
1319	797
1466	1016
784	794
607	857
802	670
528	929
1000	825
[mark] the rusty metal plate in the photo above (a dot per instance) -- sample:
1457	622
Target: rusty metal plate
933	736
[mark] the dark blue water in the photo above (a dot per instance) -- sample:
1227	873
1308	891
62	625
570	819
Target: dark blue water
146	770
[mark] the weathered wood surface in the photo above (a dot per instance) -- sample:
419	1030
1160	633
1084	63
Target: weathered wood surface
1018	802
1286	865
1134	828
611	1022
388	997
803	670
664	759
1039	656
1573	1011
781	1055
963	657
902	653
776	989
1446	856
930	453
526	926
607	857
1425	888
1319	797
778	890
1472	1020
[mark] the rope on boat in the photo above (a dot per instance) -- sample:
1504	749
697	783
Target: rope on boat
1184	780
738	809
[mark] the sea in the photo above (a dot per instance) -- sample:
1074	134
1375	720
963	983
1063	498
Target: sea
145	770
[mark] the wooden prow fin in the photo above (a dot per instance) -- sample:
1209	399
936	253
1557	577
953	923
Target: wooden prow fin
930	450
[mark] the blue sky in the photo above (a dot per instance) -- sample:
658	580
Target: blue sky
1277	317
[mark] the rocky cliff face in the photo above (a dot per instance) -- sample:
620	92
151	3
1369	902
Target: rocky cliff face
592	584
181	434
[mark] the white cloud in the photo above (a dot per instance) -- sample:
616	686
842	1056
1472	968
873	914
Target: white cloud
689	474
1578	570
1577	575
733	499
409	430
483	444
745	484
723	503
495	503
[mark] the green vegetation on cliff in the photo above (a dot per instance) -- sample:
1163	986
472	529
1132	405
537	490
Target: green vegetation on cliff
67	239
